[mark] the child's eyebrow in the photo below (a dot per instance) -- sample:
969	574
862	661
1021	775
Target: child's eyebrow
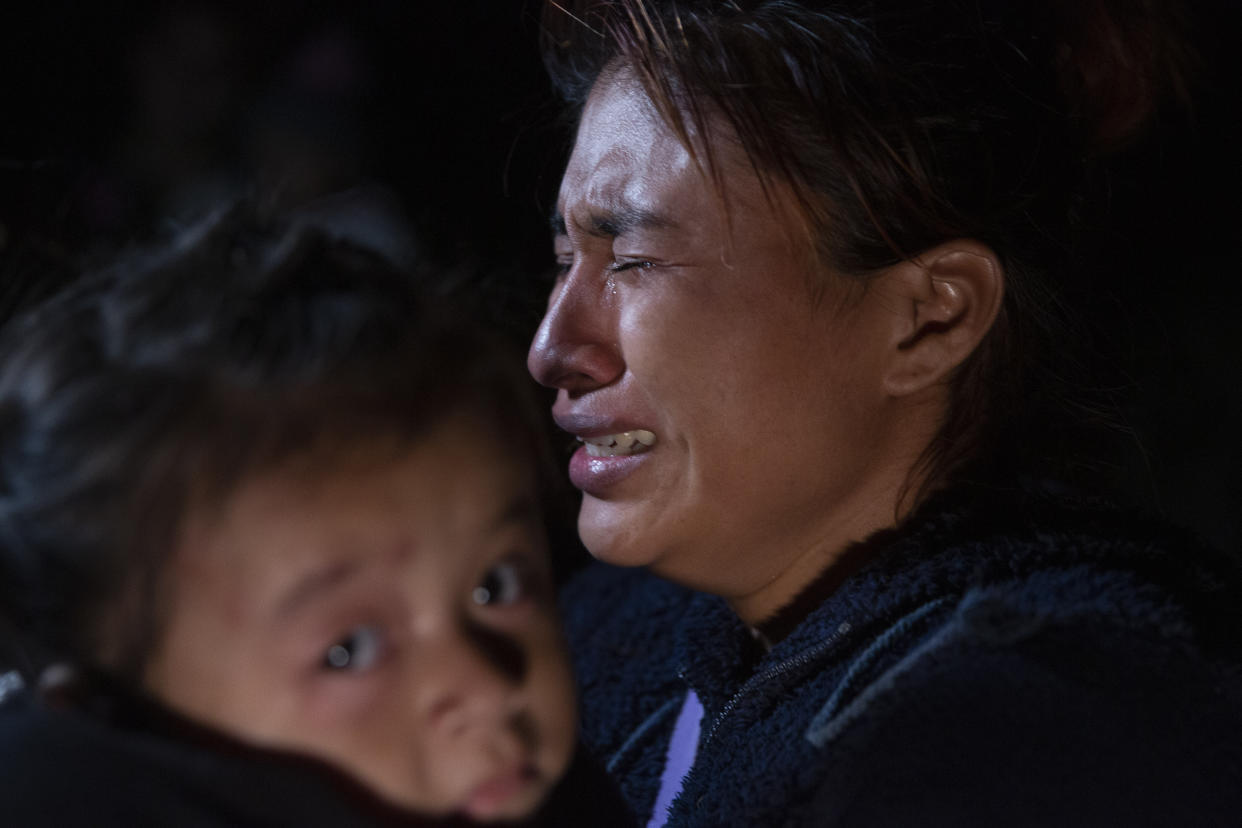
315	584
522	508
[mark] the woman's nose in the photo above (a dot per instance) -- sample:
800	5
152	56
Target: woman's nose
576	347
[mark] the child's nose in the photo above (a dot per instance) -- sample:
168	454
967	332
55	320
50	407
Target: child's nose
472	677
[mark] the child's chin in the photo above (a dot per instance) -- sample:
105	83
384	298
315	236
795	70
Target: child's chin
506	797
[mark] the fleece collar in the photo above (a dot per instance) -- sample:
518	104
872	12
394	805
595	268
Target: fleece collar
959	540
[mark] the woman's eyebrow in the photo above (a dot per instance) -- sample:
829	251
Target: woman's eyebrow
615	221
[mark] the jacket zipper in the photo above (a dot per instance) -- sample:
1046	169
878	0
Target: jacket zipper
785	667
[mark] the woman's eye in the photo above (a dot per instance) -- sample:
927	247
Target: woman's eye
358	651
503	584
637	264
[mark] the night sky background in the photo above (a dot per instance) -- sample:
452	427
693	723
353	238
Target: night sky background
120	123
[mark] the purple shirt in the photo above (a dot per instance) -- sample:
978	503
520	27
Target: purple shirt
679	759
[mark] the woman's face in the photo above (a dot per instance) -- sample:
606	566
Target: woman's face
757	416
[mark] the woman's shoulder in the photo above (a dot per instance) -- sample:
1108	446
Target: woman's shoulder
987	535
1070	646
1088	720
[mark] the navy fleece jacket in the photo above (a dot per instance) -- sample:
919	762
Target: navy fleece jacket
1001	659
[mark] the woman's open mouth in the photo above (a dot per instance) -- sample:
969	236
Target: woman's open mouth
618	445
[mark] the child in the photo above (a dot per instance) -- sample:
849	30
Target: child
276	516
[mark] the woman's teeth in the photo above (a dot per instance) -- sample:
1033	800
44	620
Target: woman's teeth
615	445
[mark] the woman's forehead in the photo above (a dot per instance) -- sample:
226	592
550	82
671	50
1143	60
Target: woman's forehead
630	171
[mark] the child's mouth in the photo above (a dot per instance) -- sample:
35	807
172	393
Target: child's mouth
493	798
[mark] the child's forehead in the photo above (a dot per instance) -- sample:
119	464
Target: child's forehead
461	446
447	498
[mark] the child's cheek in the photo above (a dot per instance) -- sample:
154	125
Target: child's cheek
332	696
326	694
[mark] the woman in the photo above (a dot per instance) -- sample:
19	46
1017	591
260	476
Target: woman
804	252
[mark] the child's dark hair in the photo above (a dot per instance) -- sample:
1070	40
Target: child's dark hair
159	385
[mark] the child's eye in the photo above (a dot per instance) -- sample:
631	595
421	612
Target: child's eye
358	651
503	584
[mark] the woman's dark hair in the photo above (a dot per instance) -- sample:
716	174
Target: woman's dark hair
897	126
157	386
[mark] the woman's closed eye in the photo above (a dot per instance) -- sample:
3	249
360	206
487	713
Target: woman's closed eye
361	649
634	264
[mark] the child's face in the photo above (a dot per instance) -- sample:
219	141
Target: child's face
394	618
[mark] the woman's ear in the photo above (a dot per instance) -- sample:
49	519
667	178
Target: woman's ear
949	296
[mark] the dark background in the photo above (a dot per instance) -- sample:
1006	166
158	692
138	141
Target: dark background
120	123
